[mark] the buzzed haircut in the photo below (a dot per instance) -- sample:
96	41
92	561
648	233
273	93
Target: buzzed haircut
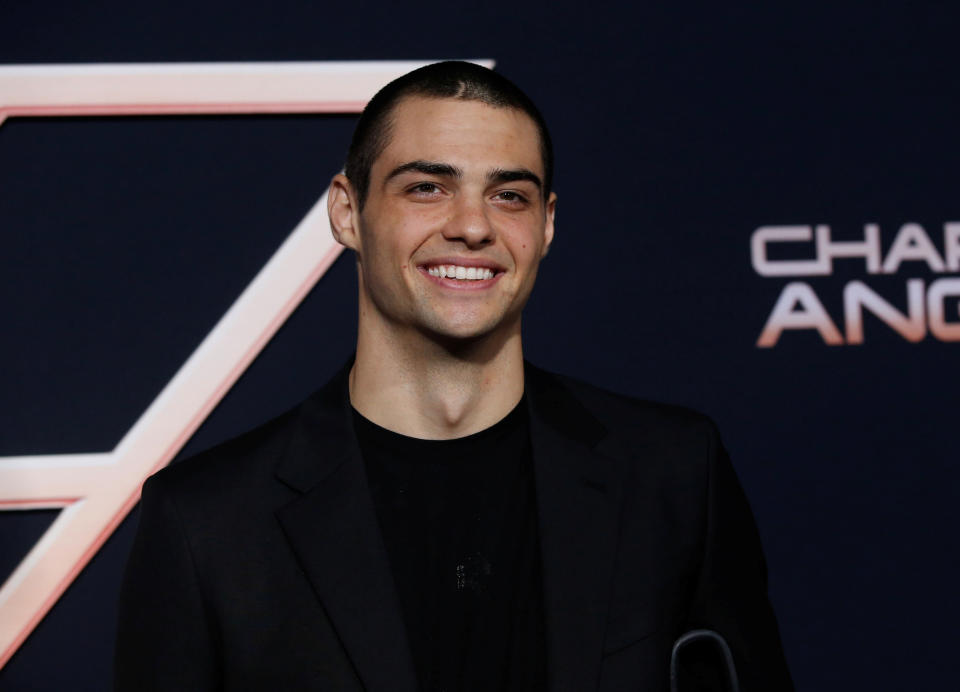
454	80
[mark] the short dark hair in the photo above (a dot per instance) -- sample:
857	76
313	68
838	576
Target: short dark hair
452	79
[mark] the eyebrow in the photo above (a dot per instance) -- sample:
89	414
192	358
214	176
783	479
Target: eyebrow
426	167
498	175
508	176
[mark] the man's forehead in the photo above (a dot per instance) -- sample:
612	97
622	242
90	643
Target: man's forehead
461	132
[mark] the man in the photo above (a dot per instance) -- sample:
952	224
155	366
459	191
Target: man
443	516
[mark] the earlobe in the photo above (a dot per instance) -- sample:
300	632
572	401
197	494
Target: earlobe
548	226
342	210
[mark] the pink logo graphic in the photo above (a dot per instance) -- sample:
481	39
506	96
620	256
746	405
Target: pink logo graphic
96	491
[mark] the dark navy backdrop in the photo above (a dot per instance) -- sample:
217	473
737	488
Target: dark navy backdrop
679	130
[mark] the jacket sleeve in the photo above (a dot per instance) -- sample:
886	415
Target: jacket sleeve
164	640
731	593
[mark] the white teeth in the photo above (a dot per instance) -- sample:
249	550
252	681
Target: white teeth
461	273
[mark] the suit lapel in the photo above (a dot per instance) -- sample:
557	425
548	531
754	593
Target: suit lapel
578	505
333	530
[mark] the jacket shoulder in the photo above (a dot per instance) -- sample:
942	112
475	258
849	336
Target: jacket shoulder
636	417
243	461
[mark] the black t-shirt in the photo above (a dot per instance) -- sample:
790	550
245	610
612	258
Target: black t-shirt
460	526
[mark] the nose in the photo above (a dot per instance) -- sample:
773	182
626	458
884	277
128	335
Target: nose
470	223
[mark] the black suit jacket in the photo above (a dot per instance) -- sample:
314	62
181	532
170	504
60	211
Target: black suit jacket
260	563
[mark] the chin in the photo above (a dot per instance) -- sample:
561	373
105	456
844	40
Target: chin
461	331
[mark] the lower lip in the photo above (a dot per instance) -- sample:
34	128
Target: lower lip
462	285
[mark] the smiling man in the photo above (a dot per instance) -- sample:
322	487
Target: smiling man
448	229
443	515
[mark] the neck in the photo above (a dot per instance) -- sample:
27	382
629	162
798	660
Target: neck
432	388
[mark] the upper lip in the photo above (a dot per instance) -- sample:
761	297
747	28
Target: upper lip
463	262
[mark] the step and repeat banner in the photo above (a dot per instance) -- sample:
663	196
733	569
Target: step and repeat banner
758	218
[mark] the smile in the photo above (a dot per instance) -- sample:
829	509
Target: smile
453	271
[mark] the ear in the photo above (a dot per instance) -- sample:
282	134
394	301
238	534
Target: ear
548	225
344	211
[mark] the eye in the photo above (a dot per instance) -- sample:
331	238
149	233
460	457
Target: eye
424	189
511	197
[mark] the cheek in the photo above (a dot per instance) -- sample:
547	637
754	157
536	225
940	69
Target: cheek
525	244
403	234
